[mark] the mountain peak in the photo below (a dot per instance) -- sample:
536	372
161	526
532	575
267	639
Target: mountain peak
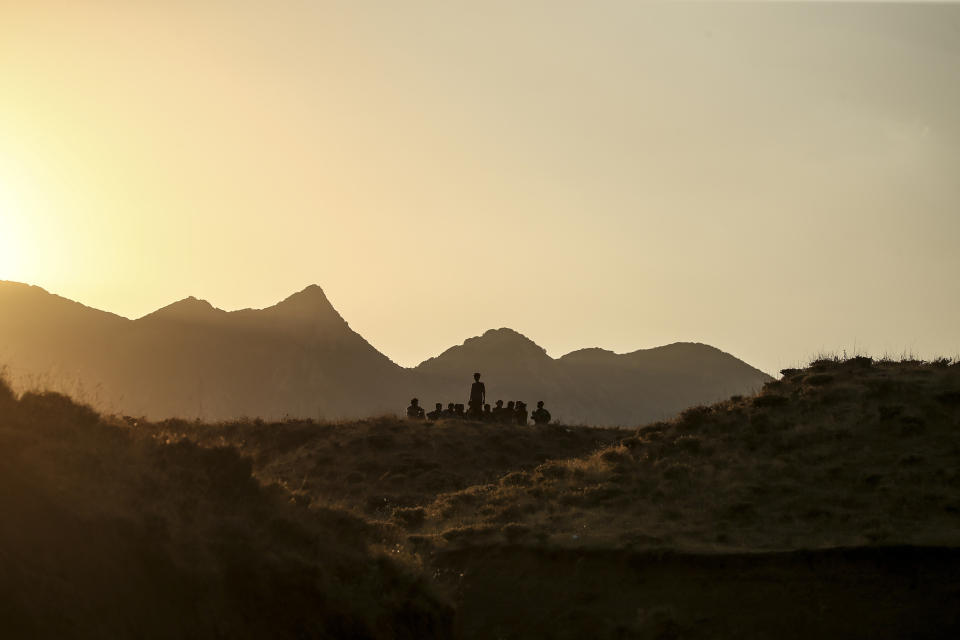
504	336
310	302
590	355
190	309
494	346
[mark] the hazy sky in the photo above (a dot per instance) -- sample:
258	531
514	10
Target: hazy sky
772	179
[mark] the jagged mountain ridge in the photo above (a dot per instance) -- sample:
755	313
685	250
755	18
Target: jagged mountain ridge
300	358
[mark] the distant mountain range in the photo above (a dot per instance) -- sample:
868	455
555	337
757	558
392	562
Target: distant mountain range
300	358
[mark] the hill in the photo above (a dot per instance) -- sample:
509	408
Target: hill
109	534
824	506
841	454
300	358
385	468
828	505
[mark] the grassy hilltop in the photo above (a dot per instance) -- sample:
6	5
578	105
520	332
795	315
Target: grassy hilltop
841	454
826	505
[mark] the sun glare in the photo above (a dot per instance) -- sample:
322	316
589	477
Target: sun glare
10	237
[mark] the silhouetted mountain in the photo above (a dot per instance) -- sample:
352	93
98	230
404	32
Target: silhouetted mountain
190	359
300	358
592	386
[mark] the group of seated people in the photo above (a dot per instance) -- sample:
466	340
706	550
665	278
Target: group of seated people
514	413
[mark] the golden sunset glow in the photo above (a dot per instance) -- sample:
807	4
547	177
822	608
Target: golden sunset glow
11	236
764	178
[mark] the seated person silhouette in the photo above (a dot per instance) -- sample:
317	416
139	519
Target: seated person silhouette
506	415
521	412
541	415
450	411
459	413
437	413
415	411
487	415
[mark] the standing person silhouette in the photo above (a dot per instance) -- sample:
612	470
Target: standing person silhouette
478	396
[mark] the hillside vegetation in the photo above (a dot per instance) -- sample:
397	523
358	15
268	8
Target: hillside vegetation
106	534
843	453
827	505
385	466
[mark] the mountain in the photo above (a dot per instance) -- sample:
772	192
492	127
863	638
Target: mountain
189	359
592	386
300	358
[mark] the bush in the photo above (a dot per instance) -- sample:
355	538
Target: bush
695	416
859	361
772	400
690	444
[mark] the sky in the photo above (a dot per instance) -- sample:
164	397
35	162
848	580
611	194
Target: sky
779	180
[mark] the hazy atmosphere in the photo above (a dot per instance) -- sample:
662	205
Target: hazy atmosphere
448	320
773	180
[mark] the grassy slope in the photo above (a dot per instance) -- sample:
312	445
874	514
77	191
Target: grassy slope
106	534
841	454
381	466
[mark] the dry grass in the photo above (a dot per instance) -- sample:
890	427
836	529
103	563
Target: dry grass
380	467
322	528
843	453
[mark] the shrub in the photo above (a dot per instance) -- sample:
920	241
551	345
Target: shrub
677	471
695	416
820	379
771	400
616	455
773	385
690	444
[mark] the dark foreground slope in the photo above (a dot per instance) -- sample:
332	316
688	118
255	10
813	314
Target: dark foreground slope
108	535
866	593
